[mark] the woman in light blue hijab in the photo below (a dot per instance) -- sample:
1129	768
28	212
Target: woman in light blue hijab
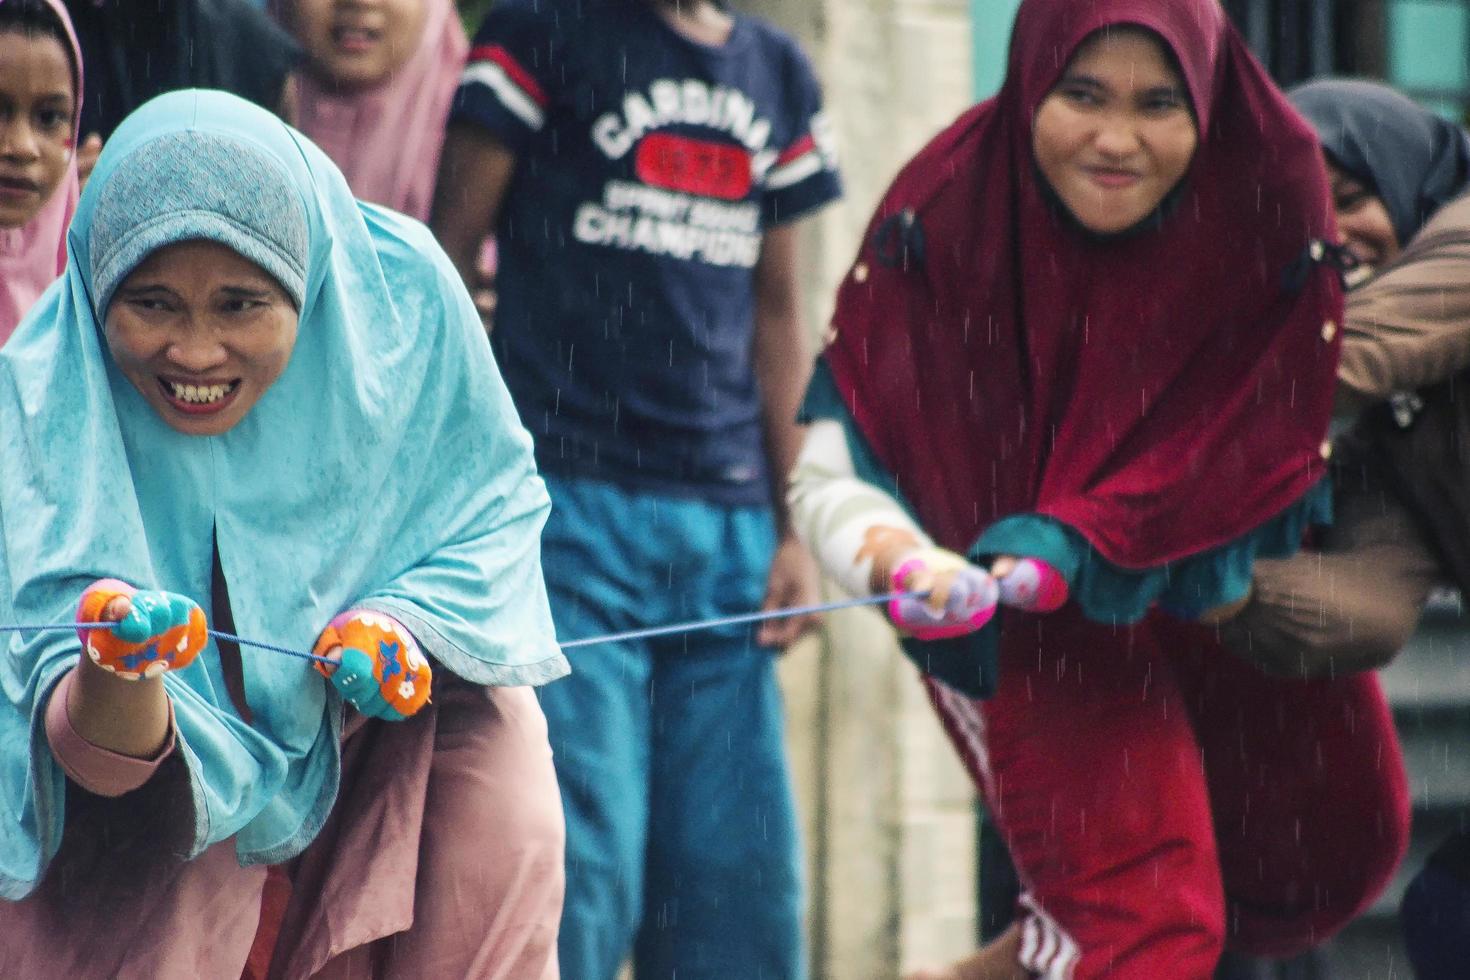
252	392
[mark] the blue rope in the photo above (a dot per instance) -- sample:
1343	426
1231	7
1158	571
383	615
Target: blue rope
232	638
692	626
745	618
217	634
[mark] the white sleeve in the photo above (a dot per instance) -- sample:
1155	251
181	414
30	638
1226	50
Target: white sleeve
838	516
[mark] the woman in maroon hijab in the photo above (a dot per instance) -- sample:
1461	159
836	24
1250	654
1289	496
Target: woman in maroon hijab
1091	326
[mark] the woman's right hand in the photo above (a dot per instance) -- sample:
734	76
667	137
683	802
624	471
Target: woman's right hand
155	632
961	596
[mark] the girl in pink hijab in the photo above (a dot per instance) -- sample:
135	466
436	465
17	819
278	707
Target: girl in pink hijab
376	89
40	89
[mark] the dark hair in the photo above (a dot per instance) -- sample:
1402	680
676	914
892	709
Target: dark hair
36	18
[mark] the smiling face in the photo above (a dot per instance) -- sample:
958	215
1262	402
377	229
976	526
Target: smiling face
202	333
356	44
1363	223
1115	134
36	112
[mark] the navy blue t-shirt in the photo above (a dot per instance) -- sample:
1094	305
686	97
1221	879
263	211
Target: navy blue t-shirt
648	168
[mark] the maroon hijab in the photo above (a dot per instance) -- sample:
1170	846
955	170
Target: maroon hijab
1163	391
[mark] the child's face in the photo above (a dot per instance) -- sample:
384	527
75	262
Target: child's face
357	43
36	110
1116	133
202	333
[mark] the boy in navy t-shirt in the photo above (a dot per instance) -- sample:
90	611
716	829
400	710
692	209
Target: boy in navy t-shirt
644	164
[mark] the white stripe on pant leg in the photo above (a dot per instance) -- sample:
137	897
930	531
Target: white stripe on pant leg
965	718
1030	940
1049	948
1046	950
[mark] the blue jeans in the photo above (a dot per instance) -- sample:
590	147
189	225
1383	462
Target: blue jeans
681	831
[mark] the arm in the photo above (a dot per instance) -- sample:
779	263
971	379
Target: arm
92	767
867	542
129	717
1348	608
502	105
782	367
856	531
1410	327
474	172
782	360
109	722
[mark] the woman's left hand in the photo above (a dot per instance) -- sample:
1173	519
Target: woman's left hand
380	670
1029	584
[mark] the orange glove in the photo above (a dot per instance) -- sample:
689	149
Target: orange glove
381	671
160	631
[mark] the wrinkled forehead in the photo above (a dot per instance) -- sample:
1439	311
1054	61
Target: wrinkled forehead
1048	34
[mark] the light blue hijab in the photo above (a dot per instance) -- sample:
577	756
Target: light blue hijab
386	469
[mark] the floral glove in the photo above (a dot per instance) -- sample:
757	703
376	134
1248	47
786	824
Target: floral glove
381	672
961	599
162	631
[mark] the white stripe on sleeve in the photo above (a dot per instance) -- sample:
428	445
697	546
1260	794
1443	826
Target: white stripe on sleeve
511	95
794	172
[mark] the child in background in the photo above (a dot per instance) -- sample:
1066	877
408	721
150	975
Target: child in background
646	166
40	88
376	89
137	49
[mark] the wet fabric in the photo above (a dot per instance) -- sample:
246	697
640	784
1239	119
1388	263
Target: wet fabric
1093	729
137	49
379	894
390	376
387	139
32	256
1160	393
649	168
1413	160
1352	601
681	828
1104	592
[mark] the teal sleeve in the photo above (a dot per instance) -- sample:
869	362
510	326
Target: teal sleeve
1105	592
1187	588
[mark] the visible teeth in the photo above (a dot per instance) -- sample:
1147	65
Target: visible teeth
199	394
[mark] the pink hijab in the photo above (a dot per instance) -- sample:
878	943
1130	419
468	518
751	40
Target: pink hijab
387	139
33	255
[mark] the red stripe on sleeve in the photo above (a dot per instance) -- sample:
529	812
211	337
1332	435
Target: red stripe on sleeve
796	149
512	68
